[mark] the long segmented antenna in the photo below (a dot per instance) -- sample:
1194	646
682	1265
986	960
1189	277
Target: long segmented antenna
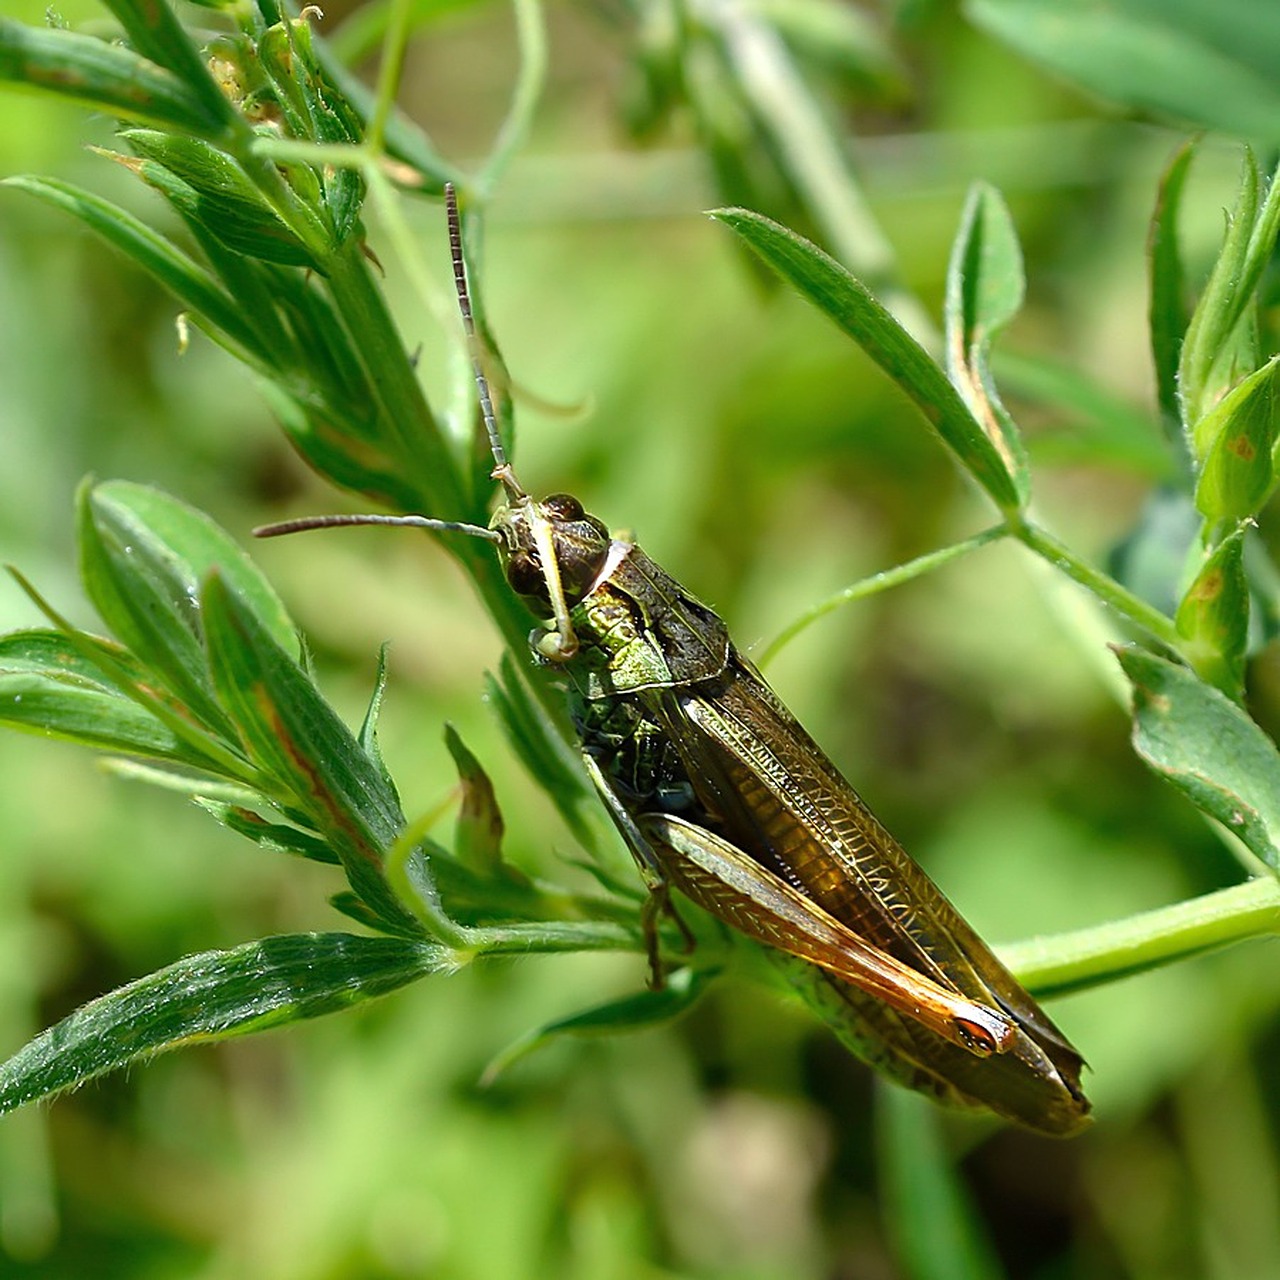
558	645
565	641
303	523
501	467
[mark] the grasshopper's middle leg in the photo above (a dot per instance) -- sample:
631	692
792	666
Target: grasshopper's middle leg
658	903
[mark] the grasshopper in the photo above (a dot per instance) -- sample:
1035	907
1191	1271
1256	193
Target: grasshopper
721	795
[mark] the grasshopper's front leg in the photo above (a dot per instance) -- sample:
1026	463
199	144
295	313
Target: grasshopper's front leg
658	903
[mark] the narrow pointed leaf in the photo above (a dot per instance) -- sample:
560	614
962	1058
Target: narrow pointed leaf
1167	306
156	33
1205	371
64	706
479	828
48	652
213	996
985	290
49	685
1214	617
1237	439
104	75
277	836
215	192
143	555
851	306
195	546
1200	741
637	1012
194	287
368	737
292	733
287	54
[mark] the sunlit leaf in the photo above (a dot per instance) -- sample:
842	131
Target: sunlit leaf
212	996
1199	740
847	302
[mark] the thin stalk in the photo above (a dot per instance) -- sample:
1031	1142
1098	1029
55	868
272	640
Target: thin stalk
1095	956
390	68
1107	589
531	76
816	160
878	582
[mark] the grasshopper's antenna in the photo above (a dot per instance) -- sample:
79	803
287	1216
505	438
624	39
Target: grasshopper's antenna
562	643
502	468
304	523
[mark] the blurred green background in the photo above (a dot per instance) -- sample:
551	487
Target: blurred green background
767	464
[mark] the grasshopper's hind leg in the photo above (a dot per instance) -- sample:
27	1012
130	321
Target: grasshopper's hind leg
659	903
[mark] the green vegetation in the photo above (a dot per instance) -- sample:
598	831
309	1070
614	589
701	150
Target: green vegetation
1114	489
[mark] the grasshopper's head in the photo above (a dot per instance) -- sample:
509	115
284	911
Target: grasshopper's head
548	545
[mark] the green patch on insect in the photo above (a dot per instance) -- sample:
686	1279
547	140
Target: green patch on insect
722	797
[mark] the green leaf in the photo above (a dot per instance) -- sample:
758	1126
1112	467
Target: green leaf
368	736
937	1232
46	652
102	75
209	188
1221	342
847	302
1167	305
277	836
213	996
1237	439
1202	379
316	109
985	290
143	555
61	705
195	546
479	828
116	671
1200	741
293	734
1213	617
636	1012
541	748
155	32
194	287
1208	65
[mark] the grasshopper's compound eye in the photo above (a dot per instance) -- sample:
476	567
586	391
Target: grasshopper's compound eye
524	573
563	506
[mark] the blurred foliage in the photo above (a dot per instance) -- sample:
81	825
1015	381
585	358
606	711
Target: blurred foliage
769	466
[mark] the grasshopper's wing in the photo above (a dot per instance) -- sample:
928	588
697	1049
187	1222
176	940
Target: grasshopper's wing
736	889
775	795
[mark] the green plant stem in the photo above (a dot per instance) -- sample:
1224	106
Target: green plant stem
878	582
531	76
394	44
406	417
1105	588
814	156
1095	956
552	935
